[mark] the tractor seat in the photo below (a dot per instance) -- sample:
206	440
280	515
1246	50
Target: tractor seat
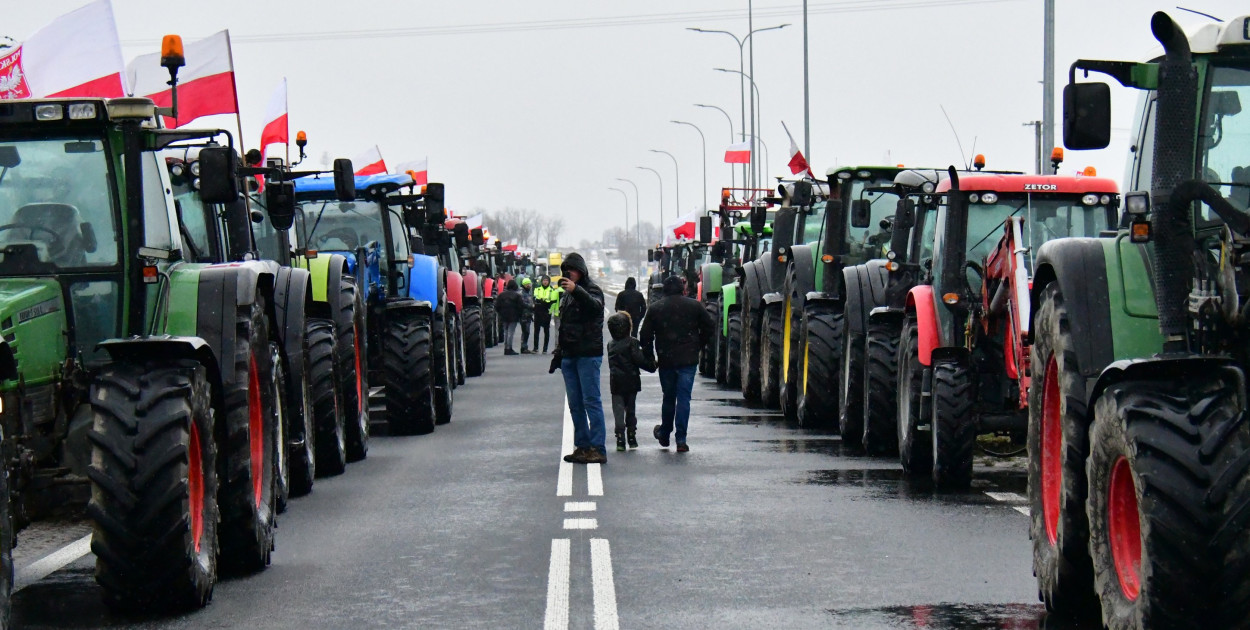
38	221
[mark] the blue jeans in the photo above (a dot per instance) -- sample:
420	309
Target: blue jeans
581	385
677	384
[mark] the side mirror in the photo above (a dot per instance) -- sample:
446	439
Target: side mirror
413	216
478	239
280	203
759	218
861	213
904	214
435	211
218	169
89	242
802	194
461	232
344	180
650	255
705	229
1086	116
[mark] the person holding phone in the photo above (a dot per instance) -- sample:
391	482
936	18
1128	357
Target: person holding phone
579	355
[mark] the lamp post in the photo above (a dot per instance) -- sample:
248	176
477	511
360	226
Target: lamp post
676	176
731	138
704	139
661	178
765	147
637	218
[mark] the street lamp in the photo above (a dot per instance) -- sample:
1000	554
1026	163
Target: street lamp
765	147
623	194
661	178
676	176
731	139
704	139
755	112
637	217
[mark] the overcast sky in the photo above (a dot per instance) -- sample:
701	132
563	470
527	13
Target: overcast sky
543	104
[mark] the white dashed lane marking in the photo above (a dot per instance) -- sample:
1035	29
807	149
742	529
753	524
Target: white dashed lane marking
579	506
580	523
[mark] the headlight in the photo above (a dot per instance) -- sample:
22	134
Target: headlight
928	187
195	183
890	255
1105	200
864	174
1137	202
195	169
973	198
82	111
177	170
1090	199
49	112
989	197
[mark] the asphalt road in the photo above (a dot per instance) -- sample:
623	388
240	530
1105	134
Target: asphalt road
480	525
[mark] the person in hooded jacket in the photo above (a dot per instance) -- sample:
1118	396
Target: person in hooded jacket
509	306
625	358
632	301
527	315
678	328
579	355
545	297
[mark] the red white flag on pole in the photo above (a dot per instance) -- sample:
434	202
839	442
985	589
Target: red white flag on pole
738	153
474	221
420	170
370	162
510	246
205	86
275	131
77	54
798	163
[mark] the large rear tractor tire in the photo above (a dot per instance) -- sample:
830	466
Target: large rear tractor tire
488	324
722	351
818	400
153	486
6	549
1169	490
351	352
851	385
954	425
771	332
788	383
708	357
281	410
915	447
733	350
1058	444
409	384
331	443
458	336
880	382
474	348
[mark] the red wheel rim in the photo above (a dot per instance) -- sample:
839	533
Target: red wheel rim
195	487
360	401
1052	450
1124	527
255	428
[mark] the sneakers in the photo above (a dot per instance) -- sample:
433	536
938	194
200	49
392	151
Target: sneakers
594	456
509	352
661	437
682	448
525	351
620	441
633	438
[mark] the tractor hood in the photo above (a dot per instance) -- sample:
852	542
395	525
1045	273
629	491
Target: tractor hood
32	319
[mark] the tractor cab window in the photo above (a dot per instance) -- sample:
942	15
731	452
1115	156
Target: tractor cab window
923	250
195	218
268	241
157	203
867	243
813	224
341	226
1224	141
1062	216
58	200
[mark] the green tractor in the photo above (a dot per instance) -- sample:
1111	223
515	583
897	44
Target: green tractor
1139	446
758	297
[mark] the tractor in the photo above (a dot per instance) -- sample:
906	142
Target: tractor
760	279
749	238
1138	437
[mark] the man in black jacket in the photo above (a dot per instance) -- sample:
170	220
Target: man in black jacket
509	306
579	348
632	301
678	327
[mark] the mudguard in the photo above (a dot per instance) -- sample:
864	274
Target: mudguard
885	314
326	271
223	289
773	298
423	278
920	302
165	347
728	302
407	304
865	290
753	279
488	284
712	274
1163	368
455	290
290	298
803	267
1079	266
471	287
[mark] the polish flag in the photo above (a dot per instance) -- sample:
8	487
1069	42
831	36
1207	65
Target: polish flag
474	221
798	163
738	153
510	246
686	227
420	170
372	161
77	54
205	85
276	130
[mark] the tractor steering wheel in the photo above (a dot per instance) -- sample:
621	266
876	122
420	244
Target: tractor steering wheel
56	238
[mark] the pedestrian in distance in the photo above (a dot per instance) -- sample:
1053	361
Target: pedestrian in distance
625	358
546	297
527	314
508	307
632	301
678	328
579	355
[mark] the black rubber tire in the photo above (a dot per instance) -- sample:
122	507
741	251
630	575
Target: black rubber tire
851	387
281	410
954	425
247	524
752	353
474	349
441	356
409	377
1065	574
770	356
331	443
143	534
1186	443
722	350
351	351
459	338
488	323
880	400
707	357
6	549
733	350
302	446
818	400
788	385
915	447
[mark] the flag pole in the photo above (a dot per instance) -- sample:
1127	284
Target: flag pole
238	118
286	106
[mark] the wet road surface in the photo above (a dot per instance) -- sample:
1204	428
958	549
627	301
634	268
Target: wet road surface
479	525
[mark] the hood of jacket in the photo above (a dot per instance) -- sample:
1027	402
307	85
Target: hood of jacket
575	262
674	285
631	284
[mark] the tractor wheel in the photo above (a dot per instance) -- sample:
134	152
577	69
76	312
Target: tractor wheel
708	357
351	356
281	453
474	351
771	331
248	494
302	430
818	380
880	379
1168	490
154	486
488	323
733	350
851	382
954	425
331	442
788	384
441	356
722	351
1058	443
752	352
459	338
409	384
915	450
6	549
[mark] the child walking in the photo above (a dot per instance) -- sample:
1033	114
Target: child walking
625	357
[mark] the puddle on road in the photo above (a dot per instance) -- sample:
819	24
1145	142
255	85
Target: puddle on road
952	617
893	483
817	445
763	418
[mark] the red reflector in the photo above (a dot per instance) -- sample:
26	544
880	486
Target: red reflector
150	275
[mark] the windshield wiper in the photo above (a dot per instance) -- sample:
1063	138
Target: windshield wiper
996	227
313	231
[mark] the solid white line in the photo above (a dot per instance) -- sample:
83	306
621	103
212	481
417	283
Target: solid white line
580	506
50	563
1007	496
580	523
604	586
594	480
1022	509
558	586
564	483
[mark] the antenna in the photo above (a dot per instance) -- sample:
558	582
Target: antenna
1205	15
959	144
974	147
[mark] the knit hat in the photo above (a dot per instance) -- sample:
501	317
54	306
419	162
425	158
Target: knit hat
526	282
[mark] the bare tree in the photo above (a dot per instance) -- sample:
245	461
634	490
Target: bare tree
552	228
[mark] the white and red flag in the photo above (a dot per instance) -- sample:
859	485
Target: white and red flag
276	130
686	227
738	153
474	221
205	86
420	170
798	163
77	54
510	246
370	162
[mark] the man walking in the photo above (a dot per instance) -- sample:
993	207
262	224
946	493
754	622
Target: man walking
678	327
579	348
632	301
508	306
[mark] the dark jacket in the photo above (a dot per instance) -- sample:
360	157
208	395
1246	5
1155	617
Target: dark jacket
581	313
625	358
527	305
677	326
542	306
509	304
632	301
